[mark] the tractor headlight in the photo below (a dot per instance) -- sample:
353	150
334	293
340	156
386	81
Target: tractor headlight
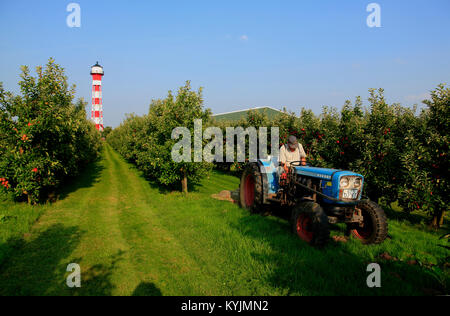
357	183
345	182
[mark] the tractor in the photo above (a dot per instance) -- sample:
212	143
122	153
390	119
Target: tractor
315	198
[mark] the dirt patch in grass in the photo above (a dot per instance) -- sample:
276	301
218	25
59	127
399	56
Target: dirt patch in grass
230	196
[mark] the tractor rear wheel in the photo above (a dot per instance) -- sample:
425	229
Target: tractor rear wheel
310	223
374	229
251	189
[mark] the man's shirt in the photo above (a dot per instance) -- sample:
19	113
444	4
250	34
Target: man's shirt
287	156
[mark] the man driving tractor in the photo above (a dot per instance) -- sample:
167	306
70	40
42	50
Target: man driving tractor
290	152
313	196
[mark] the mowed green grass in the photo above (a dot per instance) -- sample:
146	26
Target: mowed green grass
16	220
132	238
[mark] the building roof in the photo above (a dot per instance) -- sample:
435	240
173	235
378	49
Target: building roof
237	115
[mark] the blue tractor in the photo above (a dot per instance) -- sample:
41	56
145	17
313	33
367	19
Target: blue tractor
316	198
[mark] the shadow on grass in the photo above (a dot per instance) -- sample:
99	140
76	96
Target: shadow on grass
403	216
86	179
146	289
299	269
37	266
96	280
166	189
163	189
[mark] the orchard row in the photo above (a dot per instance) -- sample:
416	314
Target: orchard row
44	136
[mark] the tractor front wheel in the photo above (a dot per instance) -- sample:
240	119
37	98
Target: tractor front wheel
374	228
310	223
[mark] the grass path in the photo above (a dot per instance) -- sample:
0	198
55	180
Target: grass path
131	239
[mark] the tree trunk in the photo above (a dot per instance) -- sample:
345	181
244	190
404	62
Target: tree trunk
184	183
441	221
438	219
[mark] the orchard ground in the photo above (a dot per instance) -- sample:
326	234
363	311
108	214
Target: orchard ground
131	237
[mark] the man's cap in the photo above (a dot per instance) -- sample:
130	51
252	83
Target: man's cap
292	142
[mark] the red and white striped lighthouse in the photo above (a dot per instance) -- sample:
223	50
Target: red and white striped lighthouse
97	105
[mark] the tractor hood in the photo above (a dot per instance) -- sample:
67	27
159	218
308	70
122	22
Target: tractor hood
324	173
321	173
331	179
329	184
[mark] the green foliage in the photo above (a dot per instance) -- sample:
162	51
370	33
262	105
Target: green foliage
106	131
44	137
402	156
426	185
146	140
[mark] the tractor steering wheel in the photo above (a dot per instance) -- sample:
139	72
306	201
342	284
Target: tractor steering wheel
297	163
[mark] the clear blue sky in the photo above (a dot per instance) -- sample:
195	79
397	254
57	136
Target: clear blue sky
244	53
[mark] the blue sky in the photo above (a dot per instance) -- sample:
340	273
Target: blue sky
244	53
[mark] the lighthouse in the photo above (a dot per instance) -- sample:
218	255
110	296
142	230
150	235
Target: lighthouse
97	105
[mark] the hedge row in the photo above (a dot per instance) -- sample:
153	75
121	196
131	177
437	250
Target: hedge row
44	136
